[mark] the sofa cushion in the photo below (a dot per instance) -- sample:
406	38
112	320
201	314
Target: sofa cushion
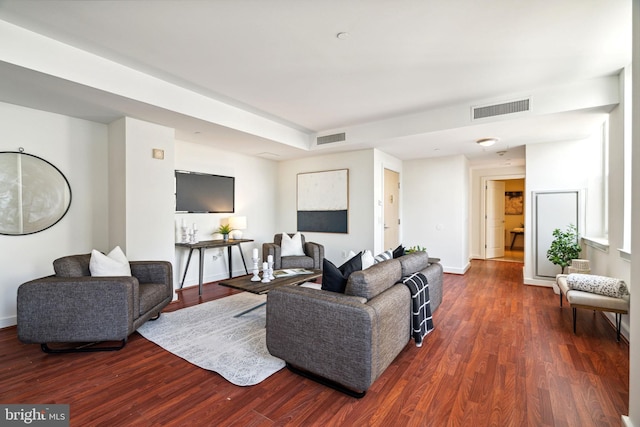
374	280
297	262
72	266
115	263
413	262
334	278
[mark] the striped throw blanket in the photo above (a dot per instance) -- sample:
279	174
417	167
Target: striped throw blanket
421	321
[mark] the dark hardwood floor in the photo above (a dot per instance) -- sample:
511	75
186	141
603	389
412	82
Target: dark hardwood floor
502	354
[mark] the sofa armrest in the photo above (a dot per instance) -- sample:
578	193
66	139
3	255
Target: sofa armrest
83	309
315	251
325	333
160	272
273	250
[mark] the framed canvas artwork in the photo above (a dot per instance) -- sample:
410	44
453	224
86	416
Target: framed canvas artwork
323	201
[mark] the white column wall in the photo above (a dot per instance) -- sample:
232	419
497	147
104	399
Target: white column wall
435	204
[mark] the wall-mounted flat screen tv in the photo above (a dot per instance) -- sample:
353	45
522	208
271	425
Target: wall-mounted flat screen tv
199	192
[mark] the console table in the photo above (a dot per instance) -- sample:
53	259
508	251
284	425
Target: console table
207	244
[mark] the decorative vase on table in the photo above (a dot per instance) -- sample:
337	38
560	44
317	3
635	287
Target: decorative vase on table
225	237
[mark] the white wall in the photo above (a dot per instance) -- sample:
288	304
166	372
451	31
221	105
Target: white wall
362	201
79	149
556	166
436	209
634	353
256	189
149	192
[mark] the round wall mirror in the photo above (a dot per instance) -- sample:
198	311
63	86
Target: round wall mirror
34	194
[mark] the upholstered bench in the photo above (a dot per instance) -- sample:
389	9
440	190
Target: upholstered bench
593	301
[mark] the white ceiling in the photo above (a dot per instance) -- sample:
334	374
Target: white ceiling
282	59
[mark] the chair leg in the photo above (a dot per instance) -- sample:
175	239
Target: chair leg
560	298
574	319
618	324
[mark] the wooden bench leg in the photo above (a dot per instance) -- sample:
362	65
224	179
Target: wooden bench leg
574	320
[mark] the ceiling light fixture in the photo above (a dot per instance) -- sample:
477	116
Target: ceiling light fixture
487	142
343	35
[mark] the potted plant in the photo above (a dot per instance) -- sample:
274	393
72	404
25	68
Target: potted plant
416	248
224	230
565	247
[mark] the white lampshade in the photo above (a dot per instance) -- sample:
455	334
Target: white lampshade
237	223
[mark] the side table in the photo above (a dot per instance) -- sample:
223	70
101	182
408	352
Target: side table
207	244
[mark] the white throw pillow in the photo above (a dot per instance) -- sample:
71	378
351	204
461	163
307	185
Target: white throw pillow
367	259
291	246
115	263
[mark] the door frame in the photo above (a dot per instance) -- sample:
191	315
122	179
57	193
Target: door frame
483	208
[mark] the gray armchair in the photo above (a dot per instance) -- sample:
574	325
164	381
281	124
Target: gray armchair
314	254
73	307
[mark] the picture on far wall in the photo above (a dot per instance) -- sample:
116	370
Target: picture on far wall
323	201
513	203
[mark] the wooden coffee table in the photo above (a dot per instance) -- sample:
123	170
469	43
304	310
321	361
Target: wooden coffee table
244	283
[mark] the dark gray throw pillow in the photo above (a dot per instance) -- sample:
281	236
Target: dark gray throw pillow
398	252
334	278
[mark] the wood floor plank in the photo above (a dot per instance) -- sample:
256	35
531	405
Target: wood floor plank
502	354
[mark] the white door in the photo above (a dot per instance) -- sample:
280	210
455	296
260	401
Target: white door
494	223
391	209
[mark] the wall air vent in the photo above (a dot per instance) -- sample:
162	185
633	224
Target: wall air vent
328	139
500	109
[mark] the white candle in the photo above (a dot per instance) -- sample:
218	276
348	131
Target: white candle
195	227
255	253
265	266
184	224
270	258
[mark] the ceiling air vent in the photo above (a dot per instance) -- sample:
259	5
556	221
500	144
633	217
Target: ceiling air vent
328	139
500	109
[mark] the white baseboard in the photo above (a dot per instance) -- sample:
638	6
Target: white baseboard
457	270
538	282
5	322
626	421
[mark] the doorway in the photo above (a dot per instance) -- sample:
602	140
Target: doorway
504	219
391	208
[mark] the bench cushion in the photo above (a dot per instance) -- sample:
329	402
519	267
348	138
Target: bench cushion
602	285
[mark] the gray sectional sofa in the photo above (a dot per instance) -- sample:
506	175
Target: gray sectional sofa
347	340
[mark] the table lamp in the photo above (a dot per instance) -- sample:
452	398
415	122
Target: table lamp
237	223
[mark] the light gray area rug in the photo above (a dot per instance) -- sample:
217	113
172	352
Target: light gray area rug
208	336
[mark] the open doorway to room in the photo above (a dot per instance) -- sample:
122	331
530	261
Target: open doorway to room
505	219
